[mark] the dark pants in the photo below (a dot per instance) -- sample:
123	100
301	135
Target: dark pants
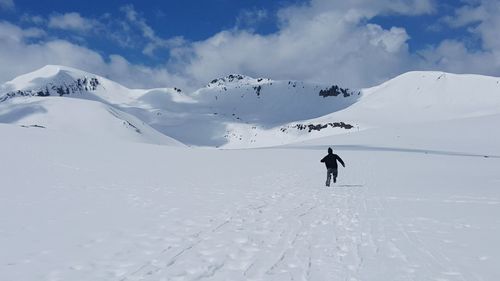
329	173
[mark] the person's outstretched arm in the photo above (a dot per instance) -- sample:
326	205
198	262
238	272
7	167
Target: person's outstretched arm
323	160
340	160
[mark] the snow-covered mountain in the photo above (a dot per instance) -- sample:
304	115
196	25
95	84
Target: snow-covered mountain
417	97
232	109
420	98
75	102
239	111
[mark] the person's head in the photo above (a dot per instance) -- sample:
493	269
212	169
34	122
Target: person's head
330	151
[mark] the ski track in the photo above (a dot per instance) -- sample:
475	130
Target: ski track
290	232
296	233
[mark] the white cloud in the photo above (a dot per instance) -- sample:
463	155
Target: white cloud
391	40
356	10
7	4
13	33
154	42
453	56
325	41
328	41
489	25
482	18
466	15
71	21
33	19
18	56
251	18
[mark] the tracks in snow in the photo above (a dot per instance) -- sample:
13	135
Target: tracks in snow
295	232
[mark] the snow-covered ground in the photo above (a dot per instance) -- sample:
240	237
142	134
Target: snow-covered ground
405	208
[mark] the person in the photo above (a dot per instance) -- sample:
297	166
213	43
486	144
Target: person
331	166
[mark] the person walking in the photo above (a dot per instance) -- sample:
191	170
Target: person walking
330	161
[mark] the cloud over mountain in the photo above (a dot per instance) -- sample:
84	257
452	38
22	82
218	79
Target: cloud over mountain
315	41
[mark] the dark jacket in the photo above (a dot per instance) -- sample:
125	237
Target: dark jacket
331	161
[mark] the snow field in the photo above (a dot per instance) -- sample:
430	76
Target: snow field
79	209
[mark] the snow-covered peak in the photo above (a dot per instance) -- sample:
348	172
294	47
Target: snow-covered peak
439	92
56	80
423	96
44	75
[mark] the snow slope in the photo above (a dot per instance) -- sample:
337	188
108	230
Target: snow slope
68	211
468	136
426	96
84	118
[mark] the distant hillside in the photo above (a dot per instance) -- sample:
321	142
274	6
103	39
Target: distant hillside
210	116
237	110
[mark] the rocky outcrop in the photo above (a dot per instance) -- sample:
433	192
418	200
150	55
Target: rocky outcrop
78	86
318	127
336	90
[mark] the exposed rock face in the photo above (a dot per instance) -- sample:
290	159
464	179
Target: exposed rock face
335	91
228	79
78	86
318	127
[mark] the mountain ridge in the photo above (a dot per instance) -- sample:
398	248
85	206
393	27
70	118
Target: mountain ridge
240	111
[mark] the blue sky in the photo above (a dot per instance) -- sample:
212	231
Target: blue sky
187	43
192	19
